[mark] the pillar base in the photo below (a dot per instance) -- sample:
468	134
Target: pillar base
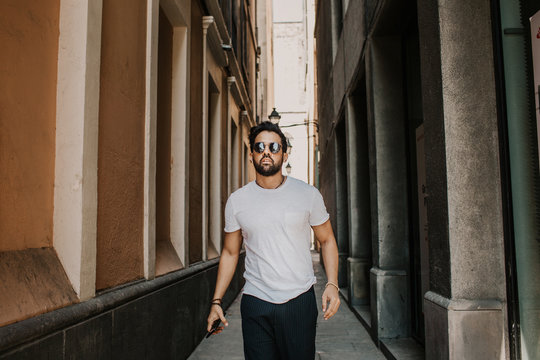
358	284
389	303
463	329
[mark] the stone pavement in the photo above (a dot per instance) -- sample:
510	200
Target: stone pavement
340	338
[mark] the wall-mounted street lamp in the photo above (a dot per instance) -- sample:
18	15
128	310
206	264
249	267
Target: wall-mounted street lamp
288	168
274	117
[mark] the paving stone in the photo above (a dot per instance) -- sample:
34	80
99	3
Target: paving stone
350	355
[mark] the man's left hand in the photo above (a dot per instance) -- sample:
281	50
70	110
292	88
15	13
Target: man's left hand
330	302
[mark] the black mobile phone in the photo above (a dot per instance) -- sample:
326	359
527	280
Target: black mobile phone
215	326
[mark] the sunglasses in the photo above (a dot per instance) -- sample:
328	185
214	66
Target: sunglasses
259	147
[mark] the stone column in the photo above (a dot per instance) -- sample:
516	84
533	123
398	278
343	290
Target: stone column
390	231
77	104
464	309
359	260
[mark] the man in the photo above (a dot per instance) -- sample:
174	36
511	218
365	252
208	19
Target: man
272	216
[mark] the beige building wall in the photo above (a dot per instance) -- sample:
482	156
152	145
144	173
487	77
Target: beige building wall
77	114
167	259
32	279
293	58
121	143
28	67
104	145
163	150
265	95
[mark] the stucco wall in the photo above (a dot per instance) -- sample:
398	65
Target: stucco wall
28	63
195	136
224	149
166	257
324	50
430	51
121	143
32	282
328	182
163	165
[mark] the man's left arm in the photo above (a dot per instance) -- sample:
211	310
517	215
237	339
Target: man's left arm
329	249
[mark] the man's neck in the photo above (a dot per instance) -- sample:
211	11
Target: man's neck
270	182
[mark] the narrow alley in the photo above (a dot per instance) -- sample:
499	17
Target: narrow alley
343	337
126	126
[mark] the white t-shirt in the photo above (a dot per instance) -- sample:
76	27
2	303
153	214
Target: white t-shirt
276	229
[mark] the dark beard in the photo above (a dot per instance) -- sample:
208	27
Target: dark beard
268	171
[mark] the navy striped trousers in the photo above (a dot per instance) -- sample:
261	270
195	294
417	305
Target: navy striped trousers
279	331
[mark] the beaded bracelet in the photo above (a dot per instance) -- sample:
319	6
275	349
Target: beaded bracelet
331	283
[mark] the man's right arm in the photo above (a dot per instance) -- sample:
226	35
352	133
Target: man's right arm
227	267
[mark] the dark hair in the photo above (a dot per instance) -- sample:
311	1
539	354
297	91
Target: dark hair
266	126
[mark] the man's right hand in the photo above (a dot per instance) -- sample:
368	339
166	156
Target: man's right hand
227	266
216	312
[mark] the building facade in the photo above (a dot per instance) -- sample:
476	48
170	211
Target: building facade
265	31
293	25
123	129
429	166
